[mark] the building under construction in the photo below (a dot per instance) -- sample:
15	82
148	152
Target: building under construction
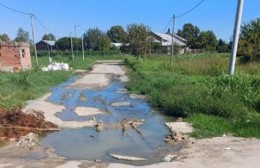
14	56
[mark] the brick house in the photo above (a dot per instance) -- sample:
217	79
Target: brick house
15	56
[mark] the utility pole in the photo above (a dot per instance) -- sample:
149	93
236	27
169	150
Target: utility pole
235	37
83	54
71	44
35	50
173	24
75	29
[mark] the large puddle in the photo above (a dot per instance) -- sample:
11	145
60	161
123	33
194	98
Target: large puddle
86	143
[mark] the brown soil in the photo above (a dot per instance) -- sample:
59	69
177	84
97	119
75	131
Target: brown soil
14	124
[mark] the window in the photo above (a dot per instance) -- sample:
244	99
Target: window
23	53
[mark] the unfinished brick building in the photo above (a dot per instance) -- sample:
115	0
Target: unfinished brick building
15	56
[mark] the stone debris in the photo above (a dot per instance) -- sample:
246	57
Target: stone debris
99	126
121	104
175	137
28	141
132	123
169	158
182	127
136	96
87	111
179	119
128	158
55	66
123	91
124	79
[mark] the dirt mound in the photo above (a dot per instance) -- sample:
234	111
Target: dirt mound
14	124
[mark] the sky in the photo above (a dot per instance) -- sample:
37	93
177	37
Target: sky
60	16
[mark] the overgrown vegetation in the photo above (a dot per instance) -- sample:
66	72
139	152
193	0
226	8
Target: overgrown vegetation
17	88
249	42
197	88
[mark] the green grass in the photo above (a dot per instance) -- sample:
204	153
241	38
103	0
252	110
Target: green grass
196	87
17	88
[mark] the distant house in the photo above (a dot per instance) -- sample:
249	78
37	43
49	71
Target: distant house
165	40
45	45
15	56
116	45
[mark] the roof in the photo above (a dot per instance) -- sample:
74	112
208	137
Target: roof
167	39
49	42
117	44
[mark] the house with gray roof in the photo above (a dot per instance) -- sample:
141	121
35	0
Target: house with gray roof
45	45
166	39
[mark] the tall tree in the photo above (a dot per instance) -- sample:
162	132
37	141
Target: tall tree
249	40
93	38
207	41
49	37
22	36
106	43
190	33
137	36
63	44
117	34
222	46
4	37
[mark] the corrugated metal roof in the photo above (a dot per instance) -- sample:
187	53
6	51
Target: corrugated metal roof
167	39
51	43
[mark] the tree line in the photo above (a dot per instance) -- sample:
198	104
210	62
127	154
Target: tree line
135	39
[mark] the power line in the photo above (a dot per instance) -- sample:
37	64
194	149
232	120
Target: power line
14	10
28	14
167	26
41	24
44	27
185	13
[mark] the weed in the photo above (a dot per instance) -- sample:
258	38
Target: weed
196	87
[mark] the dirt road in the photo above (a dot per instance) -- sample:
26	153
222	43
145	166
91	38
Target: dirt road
225	151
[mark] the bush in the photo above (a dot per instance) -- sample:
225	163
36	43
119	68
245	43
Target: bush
249	41
197	85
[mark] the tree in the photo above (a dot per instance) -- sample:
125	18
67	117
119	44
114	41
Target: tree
207	41
96	40
117	34
137	36
4	37
249	40
22	36
105	43
190	33
93	38
49	37
222	46
63	44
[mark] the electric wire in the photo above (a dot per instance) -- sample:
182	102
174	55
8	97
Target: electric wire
28	14
167	25
14	10
185	13
44	27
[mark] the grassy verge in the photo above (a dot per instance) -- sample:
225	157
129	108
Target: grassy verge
196	87
17	88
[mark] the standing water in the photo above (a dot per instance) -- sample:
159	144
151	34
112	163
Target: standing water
87	144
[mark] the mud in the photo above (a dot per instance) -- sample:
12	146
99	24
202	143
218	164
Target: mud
16	123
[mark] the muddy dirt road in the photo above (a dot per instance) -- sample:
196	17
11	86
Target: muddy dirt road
217	152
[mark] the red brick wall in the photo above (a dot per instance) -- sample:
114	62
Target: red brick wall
10	57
